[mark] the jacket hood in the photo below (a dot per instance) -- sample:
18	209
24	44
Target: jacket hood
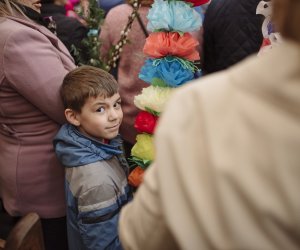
75	149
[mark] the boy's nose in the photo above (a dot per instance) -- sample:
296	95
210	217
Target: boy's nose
113	114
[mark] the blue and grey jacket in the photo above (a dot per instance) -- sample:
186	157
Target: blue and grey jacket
96	188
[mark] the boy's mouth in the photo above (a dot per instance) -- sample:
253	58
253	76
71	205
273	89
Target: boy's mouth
113	127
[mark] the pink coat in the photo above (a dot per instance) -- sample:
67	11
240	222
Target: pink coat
33	63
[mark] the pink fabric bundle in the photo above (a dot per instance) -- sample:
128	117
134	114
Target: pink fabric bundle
161	44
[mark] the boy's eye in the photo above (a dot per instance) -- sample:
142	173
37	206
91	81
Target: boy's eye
101	110
117	104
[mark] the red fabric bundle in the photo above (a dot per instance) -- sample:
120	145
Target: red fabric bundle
145	122
197	2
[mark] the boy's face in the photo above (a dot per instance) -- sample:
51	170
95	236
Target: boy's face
101	117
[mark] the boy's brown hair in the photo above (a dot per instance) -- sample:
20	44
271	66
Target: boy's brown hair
84	82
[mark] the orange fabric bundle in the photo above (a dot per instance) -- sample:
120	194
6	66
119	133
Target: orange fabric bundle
136	176
161	44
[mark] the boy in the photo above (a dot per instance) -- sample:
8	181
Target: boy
90	149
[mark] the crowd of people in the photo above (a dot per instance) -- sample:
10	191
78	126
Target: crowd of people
226	169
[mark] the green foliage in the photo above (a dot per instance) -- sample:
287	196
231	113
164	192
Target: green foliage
94	17
135	161
90	53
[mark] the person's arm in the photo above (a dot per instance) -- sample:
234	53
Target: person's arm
33	67
142	224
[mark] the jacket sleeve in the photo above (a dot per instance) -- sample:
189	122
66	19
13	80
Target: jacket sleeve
142	225
34	68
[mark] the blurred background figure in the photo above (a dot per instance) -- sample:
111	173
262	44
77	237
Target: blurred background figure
232	31
107	5
68	29
72	7
130	62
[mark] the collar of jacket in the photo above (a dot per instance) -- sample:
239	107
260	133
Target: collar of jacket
32	14
75	149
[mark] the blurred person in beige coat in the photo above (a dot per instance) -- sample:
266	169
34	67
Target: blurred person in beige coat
227	168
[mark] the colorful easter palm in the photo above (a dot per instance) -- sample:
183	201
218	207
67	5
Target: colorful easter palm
172	55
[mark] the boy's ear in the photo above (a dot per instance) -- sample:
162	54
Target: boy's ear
72	118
